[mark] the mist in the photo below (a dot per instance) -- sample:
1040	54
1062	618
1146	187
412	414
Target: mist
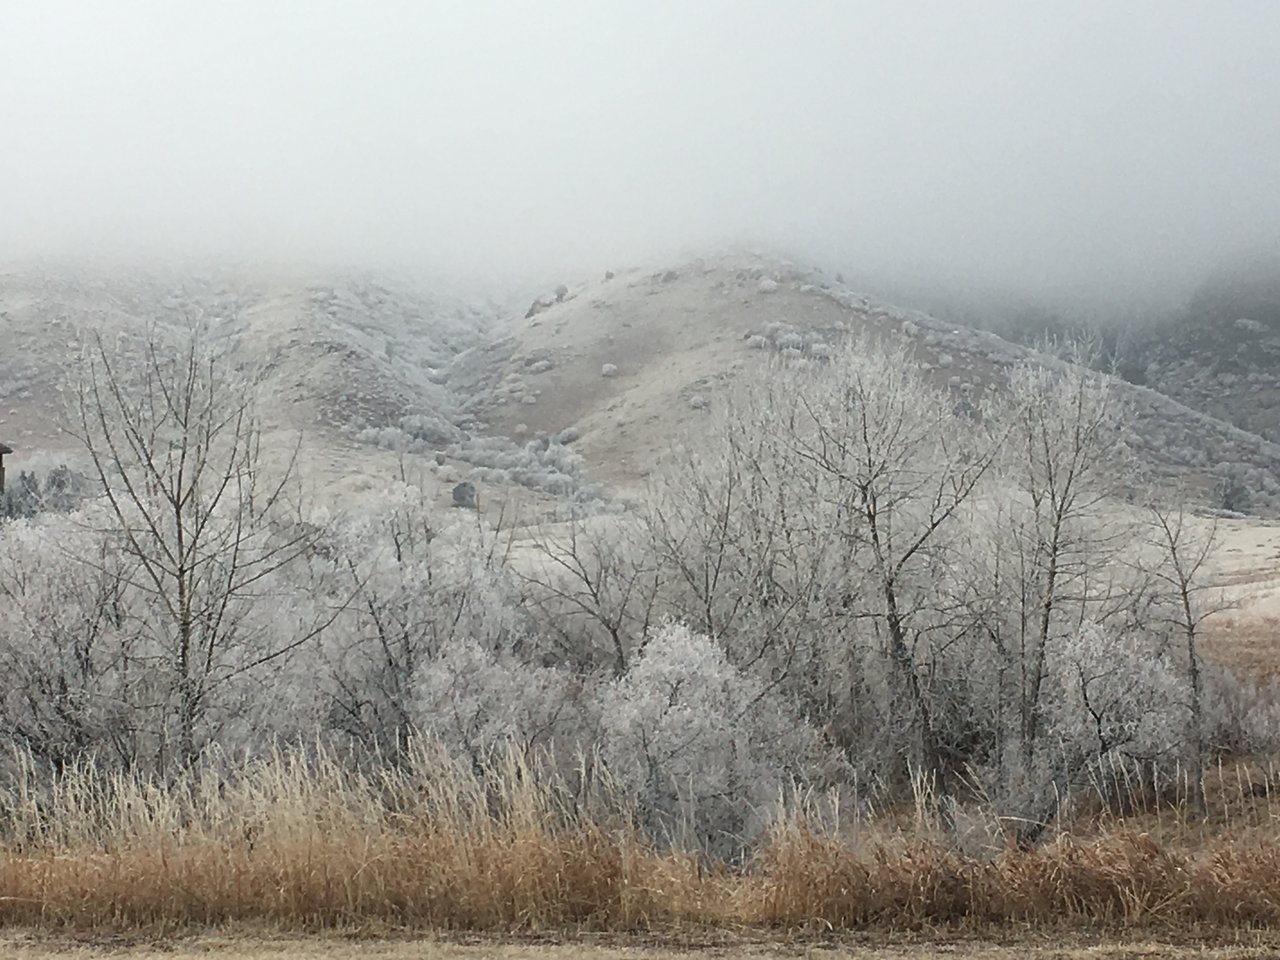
1115	150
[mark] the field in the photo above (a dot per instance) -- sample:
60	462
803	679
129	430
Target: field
299	859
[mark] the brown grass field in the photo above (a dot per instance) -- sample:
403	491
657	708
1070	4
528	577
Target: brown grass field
504	867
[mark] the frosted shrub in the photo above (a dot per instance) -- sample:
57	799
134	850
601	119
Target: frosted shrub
65	640
420	585
1115	693
418	433
543	464
791	340
1232	489
474	701
1241	715
703	745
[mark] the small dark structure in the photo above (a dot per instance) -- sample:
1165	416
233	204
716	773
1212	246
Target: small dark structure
5	449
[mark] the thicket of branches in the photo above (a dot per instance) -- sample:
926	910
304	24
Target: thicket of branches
853	578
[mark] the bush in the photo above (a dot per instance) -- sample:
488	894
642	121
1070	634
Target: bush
705	747
1232	491
61	491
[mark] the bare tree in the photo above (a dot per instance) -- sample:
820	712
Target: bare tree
898	462
178	451
593	582
1185	551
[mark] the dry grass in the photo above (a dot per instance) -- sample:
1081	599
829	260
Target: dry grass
1248	643
310	845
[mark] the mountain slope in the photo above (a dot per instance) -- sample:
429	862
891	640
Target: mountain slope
673	340
328	354
587	388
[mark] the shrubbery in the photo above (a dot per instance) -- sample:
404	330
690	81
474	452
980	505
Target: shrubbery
842	583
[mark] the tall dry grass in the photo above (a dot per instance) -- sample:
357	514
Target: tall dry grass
302	840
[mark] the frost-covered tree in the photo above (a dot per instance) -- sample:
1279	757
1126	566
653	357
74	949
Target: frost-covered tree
475	700
417	584
177	450
705	747
70	648
592	585
741	529
1183	551
897	463
809	535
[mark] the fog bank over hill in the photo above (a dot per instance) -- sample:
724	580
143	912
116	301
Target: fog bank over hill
1113	151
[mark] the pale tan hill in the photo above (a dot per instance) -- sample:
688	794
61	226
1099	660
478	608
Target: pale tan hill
580	398
630	361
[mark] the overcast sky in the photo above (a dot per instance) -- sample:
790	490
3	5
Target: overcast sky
1037	145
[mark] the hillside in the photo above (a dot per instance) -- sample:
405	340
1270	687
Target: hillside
1222	355
331	355
580	395
627	362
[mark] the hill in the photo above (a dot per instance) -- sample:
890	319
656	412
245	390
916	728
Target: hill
577	396
628	361
1222	355
330	355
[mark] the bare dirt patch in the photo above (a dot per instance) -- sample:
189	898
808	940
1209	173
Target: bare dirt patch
238	947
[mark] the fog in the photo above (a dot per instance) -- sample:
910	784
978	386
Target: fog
1120	149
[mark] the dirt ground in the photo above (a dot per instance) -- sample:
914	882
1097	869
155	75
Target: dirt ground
39	947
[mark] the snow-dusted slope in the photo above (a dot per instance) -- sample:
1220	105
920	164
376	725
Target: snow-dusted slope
627	362
330	355
581	395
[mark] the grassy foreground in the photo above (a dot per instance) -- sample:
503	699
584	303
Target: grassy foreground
307	845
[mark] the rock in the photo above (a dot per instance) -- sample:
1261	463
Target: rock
441	457
561	292
698	402
537	307
609	370
767	285
464	495
608	274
